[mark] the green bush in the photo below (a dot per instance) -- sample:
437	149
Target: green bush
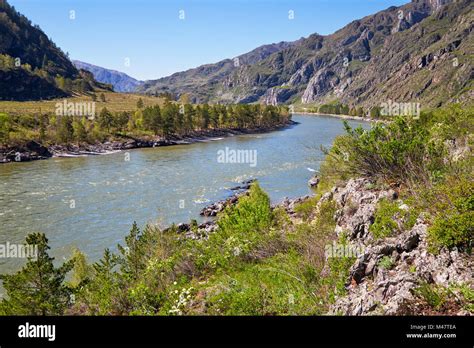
456	230
434	295
401	151
386	262
385	219
453	210
240	229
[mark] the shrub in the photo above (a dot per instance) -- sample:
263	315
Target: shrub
400	151
434	295
456	230
453	209
240	229
385	219
386	262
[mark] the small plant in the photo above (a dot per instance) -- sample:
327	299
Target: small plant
386	262
386	216
434	295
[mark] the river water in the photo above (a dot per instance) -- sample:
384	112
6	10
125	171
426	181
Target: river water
91	202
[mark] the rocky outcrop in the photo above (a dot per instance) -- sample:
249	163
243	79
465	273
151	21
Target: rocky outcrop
376	287
289	205
27	152
216	207
314	182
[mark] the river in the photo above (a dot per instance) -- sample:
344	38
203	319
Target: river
91	202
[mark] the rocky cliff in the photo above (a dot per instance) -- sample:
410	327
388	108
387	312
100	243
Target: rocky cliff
418	52
387	273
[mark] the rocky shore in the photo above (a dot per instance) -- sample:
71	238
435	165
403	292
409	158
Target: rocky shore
33	150
344	117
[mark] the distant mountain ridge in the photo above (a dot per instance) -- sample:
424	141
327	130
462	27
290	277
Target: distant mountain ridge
120	81
209	75
421	51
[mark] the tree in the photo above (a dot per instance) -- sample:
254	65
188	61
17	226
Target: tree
94	97
39	287
168	119
106	119
5	125
121	120
140	103
102	98
132	258
152	119
80	132
65	129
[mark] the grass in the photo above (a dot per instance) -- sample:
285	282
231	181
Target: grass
114	102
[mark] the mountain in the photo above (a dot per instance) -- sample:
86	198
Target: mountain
31	65
202	82
418	52
120	81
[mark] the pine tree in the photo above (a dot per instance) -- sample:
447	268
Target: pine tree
105	119
39	287
132	261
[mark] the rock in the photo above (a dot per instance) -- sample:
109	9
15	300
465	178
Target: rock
374	290
215	208
289	205
314	182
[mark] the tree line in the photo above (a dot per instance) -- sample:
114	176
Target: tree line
167	120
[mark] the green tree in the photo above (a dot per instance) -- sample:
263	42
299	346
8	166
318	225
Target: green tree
80	133
152	119
102	97
65	129
106	119
140	103
5	125
39	287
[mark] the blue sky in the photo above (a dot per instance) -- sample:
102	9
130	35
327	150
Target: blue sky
151	37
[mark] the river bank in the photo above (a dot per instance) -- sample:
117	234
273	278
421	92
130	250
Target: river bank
344	117
33	150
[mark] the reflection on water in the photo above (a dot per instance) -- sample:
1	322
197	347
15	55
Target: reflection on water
91	202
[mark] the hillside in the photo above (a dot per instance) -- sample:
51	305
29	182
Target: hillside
419	52
120	81
204	81
32	67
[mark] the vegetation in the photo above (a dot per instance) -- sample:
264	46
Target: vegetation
168	119
418	157
39	288
387	214
259	261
